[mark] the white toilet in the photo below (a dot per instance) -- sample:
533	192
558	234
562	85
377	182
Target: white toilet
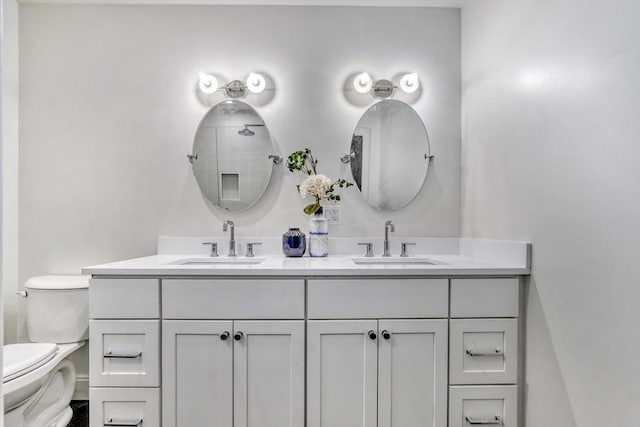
38	380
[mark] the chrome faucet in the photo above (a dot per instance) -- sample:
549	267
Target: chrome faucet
232	236
388	226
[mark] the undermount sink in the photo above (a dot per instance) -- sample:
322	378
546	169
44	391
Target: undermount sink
395	260
218	261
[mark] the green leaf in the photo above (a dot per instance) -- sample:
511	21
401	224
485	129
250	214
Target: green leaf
311	209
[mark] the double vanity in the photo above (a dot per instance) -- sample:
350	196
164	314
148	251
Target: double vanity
431	339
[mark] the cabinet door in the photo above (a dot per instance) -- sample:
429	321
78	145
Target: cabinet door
412	369
342	373
197	375
268	373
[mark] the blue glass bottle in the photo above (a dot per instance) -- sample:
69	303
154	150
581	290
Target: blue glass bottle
294	243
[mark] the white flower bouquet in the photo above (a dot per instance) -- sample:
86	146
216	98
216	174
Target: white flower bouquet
315	185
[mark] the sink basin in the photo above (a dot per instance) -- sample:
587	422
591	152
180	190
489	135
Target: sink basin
395	261
218	261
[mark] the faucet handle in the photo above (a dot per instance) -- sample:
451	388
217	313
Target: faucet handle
369	246
250	248
214	248
403	248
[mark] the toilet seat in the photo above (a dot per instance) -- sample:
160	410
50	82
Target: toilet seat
20	359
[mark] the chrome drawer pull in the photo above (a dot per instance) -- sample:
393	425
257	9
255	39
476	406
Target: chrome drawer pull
490	352
111	355
111	423
484	421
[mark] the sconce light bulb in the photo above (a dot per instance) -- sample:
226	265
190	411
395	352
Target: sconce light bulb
256	83
207	84
362	83
409	83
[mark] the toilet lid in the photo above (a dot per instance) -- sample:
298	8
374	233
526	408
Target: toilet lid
20	359
58	282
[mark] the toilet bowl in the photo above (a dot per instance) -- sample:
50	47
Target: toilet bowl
38	379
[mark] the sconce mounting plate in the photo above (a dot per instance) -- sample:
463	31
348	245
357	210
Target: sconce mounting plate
383	89
235	89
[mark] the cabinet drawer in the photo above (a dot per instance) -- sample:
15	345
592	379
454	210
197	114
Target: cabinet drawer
124	299
378	298
124	407
124	353
482	406
484	297
483	351
232	299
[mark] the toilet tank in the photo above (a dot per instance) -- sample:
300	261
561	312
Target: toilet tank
58	308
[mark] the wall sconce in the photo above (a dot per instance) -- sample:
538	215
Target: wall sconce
362	83
208	83
255	83
409	83
383	88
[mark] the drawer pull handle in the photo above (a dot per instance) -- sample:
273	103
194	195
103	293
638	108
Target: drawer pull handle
238	336
111	423
224	336
484	421
372	334
386	334
490	352
111	355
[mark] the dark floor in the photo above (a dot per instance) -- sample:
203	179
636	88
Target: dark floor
80	413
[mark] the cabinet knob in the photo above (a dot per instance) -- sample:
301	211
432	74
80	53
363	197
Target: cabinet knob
372	334
238	336
386	334
225	335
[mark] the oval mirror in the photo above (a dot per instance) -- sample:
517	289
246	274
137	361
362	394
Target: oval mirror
389	154
231	155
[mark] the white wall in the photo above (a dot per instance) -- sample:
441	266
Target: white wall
108	111
550	126
1	299
9	180
108	114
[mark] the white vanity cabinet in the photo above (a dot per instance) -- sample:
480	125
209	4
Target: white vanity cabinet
233	373
124	352
484	352
368	373
305	351
226	372
388	368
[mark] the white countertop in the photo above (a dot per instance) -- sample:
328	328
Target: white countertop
474	258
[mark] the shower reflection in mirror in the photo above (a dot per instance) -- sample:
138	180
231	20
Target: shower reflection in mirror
233	155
